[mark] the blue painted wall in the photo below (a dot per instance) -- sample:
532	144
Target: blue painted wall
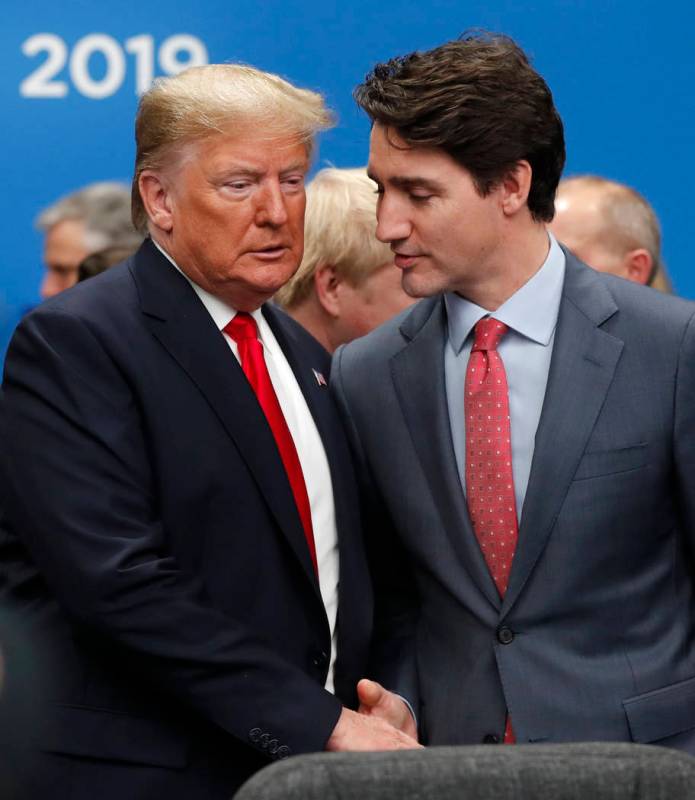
622	74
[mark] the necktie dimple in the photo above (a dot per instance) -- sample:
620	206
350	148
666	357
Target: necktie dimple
489	476
242	329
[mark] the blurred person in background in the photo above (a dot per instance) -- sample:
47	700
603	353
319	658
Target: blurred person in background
90	219
347	283
612	228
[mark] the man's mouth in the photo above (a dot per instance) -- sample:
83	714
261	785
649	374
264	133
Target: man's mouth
405	260
270	252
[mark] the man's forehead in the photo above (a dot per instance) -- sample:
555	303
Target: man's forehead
64	244
392	160
67	234
248	152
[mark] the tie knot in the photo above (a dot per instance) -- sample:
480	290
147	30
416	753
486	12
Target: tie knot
488	334
243	326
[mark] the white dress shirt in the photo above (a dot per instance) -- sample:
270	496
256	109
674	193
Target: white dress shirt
312	455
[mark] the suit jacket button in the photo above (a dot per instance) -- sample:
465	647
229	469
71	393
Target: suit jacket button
255	734
264	740
283	751
505	635
491	738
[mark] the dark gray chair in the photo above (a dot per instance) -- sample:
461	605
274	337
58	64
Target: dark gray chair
600	771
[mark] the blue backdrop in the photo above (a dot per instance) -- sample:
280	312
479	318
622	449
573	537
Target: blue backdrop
622	74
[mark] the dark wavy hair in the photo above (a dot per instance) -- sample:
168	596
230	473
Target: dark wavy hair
479	99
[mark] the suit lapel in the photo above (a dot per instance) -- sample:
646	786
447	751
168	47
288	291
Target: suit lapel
179	320
418	375
581	371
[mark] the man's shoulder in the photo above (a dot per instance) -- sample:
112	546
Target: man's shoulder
626	308
111	291
643	308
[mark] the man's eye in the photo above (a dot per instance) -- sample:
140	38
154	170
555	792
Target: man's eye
238	186
294	182
420	198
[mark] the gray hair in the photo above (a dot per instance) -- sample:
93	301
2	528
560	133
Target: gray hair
103	207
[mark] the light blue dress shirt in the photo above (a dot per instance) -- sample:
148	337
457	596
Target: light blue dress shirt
531	315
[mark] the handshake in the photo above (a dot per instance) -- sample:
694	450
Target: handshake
383	722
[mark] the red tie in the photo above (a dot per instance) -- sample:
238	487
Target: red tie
489	477
245	333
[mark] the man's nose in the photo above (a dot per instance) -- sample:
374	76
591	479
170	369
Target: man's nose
271	208
391	223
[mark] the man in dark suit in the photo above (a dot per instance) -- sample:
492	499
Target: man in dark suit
181	523
526	433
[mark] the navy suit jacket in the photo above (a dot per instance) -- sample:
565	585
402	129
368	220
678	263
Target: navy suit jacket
152	540
595	637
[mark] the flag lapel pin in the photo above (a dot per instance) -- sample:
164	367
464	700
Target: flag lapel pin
319	378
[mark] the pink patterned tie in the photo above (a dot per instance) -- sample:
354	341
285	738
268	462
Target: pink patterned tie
489	478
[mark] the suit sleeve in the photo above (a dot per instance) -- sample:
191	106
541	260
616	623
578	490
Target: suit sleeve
684	433
392	658
80	492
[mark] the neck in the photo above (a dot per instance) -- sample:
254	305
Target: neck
515	262
314	321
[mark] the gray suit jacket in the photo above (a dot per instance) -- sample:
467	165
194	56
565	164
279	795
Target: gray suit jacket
595	638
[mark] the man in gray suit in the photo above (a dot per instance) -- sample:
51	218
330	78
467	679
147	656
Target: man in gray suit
526	433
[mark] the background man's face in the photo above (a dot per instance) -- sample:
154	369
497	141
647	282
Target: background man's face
442	231
237	210
378	298
64	249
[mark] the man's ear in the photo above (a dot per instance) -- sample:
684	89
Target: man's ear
326	284
638	265
156	199
515	187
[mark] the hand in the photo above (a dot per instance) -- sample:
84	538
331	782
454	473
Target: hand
363	732
379	702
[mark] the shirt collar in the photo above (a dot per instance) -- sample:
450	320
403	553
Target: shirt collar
531	311
222	313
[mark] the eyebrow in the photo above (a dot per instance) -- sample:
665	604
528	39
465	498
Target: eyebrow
248	172
408	182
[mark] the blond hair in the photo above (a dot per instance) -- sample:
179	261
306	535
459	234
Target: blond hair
214	99
339	230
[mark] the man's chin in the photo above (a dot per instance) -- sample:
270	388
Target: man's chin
416	286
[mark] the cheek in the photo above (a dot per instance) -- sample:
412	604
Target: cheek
296	225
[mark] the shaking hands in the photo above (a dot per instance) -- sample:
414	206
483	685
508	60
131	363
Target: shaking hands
383	722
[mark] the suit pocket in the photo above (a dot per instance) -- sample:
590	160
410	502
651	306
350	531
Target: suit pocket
114	736
662	712
596	463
